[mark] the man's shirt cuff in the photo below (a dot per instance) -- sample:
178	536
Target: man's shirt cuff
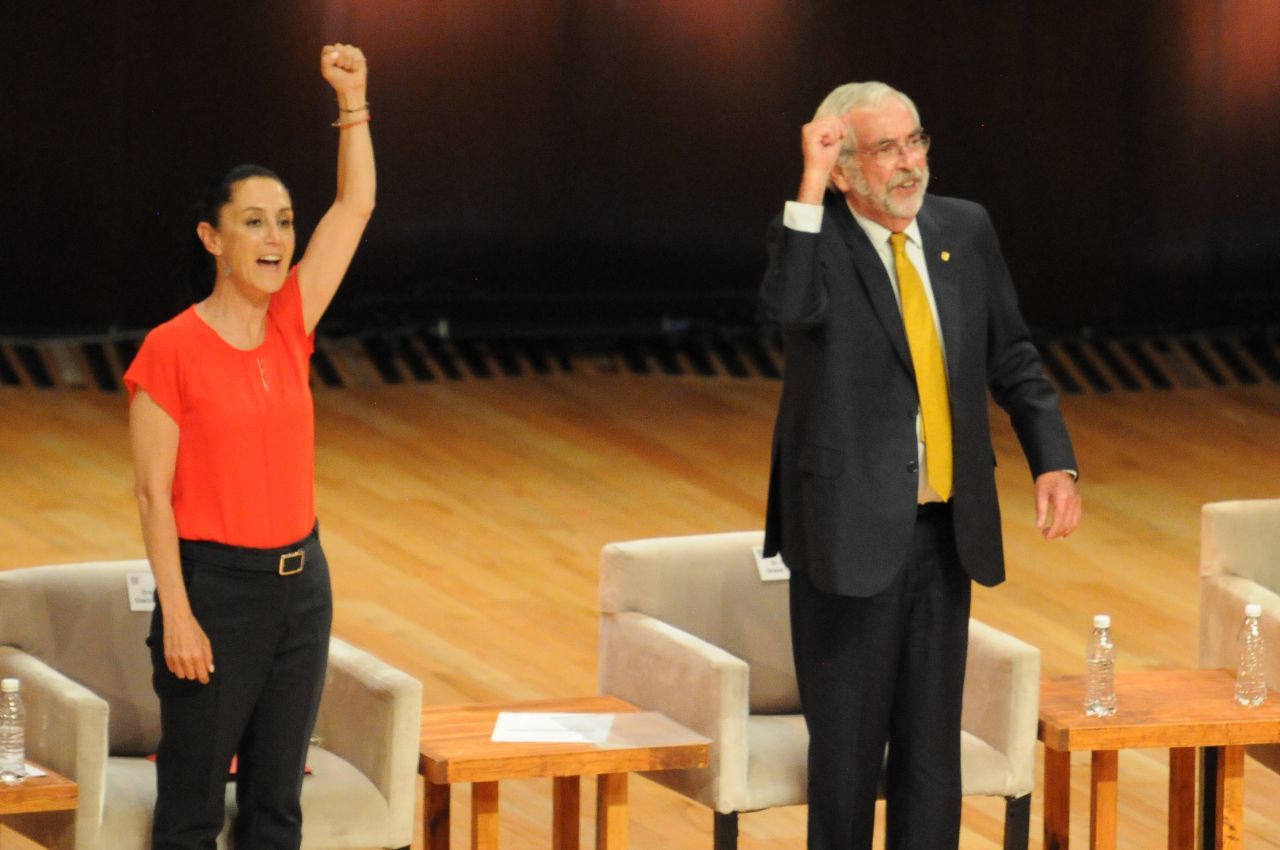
807	218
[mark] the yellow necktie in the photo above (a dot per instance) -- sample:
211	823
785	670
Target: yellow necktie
931	372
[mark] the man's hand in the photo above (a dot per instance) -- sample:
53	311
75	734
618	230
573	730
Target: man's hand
1057	504
820	142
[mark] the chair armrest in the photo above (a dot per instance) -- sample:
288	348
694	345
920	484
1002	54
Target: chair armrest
66	730
371	716
1002	698
659	667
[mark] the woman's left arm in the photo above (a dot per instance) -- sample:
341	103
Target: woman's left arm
338	233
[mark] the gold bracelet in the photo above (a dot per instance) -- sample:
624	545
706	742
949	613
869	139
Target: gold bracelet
349	124
355	108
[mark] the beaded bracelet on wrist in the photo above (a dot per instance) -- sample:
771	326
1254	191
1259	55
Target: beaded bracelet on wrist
347	125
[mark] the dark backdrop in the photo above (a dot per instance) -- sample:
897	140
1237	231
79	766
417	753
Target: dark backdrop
612	153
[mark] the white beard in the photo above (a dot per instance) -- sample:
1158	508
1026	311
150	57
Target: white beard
894	207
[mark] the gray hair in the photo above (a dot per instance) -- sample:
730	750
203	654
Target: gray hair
852	96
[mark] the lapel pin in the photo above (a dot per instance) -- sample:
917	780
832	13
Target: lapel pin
946	256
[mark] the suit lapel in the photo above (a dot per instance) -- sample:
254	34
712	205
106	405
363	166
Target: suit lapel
870	272
945	282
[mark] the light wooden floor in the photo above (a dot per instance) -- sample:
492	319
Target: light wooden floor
463	522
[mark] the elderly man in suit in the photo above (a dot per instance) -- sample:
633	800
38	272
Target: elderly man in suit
899	314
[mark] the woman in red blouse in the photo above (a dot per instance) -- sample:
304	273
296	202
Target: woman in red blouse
222	432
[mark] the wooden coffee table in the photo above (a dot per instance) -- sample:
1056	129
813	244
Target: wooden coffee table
48	793
1181	710
456	747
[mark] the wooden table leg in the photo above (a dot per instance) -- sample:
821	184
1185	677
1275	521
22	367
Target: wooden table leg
1057	799
1229	828
1102	805
435	815
1182	798
484	816
565	795
611	811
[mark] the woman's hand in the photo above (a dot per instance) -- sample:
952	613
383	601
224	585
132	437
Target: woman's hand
187	651
154	437
343	66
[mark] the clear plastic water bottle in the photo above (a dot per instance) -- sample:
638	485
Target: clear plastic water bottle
1100	680
13	724
1251	677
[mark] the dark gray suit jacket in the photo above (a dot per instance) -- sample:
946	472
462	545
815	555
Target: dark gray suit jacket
843	485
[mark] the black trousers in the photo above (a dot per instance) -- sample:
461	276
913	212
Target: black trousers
886	670
270	637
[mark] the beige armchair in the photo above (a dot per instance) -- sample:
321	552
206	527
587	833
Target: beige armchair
1239	564
689	629
68	633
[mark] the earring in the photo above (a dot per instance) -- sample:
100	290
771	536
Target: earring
226	270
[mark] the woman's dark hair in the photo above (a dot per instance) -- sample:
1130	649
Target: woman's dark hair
203	270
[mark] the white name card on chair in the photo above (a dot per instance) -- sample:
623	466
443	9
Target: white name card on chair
771	569
142	590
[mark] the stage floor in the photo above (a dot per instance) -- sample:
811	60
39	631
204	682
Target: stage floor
463	520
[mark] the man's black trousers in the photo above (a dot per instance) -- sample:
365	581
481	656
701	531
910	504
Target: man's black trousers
886	670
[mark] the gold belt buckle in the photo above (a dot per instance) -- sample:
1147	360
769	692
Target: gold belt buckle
285	570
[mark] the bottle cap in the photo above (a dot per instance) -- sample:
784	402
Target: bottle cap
1102	621
8	686
1253	609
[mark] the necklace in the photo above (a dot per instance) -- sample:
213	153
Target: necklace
262	373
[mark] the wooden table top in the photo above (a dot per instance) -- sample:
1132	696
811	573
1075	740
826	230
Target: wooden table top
49	793
456	745
1157	708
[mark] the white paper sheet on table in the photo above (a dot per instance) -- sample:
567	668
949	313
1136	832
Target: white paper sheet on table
551	727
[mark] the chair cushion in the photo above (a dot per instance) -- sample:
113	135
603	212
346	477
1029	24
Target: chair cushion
777	761
130	800
76	619
984	770
777	766
341	808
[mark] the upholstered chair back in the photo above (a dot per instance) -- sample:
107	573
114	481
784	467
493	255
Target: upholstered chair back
76	618
709	586
1242	538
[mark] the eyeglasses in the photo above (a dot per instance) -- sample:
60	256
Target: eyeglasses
887	153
